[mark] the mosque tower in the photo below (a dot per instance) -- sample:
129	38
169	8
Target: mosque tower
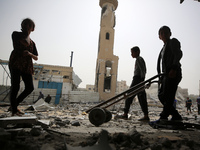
107	63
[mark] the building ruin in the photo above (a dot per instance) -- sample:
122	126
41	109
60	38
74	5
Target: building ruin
107	63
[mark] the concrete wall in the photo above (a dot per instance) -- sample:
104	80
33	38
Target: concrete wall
83	97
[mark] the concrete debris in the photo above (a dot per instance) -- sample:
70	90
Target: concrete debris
135	136
75	123
102	144
17	120
35	131
44	123
76	79
68	128
41	105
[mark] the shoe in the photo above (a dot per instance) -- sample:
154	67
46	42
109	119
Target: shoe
159	121
20	112
124	116
145	118
17	114
176	118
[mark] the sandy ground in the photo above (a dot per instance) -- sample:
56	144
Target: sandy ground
68	127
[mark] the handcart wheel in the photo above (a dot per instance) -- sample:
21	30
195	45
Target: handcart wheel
108	115
97	116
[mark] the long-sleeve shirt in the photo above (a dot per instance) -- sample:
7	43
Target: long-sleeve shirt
170	56
140	67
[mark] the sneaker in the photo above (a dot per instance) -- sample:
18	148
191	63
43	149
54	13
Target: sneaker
145	118
124	116
159	121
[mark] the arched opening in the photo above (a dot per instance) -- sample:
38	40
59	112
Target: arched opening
107	36
108	76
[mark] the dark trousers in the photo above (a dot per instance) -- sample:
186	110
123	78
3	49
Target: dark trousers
15	85
166	94
141	97
199	109
189	108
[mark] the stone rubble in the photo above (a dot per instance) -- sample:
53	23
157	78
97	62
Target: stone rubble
68	128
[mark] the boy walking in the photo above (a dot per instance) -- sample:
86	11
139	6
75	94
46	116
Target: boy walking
169	64
139	76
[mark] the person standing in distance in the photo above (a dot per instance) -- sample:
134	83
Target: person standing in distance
198	104
21	65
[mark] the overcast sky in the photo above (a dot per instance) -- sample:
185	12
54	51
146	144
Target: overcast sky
63	26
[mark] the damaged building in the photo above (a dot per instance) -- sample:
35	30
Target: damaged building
60	82
107	63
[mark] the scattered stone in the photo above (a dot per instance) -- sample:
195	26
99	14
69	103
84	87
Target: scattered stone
75	123
35	131
165	142
73	126
57	119
44	123
135	136
60	123
66	122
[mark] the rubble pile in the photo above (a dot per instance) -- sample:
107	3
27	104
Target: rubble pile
68	128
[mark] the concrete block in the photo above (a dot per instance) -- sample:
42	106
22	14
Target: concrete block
17	120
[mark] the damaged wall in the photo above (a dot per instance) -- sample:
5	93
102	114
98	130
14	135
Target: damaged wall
107	63
83	97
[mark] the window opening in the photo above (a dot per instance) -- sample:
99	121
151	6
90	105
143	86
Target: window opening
107	36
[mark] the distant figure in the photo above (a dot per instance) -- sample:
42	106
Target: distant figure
175	102
21	65
188	104
41	95
198	104
48	99
169	64
139	76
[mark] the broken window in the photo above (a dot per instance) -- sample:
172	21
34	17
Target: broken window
108	76
66	77
107	36
55	71
44	71
103	10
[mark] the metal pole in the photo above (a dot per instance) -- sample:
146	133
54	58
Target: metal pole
71	58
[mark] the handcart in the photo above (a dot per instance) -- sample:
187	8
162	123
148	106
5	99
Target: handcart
99	114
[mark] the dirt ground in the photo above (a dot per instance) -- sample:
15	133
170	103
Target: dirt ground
68	128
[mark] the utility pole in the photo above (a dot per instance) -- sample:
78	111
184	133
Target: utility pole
71	58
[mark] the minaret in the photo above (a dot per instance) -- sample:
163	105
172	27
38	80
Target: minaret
107	63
